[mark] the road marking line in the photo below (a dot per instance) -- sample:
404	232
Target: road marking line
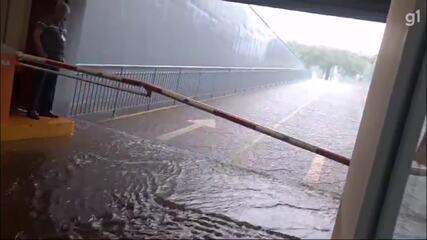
314	173
196	124
138	113
235	159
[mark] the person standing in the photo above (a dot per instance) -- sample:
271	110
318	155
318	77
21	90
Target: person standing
49	40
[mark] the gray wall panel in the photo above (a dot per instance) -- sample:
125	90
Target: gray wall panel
179	32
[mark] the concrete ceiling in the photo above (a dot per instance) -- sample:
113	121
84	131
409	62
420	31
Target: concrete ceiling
371	10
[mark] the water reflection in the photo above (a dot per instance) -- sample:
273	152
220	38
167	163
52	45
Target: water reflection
107	184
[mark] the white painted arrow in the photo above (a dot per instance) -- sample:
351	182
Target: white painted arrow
196	124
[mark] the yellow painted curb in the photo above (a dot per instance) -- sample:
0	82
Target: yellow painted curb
21	127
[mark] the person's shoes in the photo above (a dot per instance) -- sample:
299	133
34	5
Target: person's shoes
49	115
33	114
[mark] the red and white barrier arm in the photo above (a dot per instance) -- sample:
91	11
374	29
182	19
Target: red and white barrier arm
80	78
189	101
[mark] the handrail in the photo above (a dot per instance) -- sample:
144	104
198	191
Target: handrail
181	98
152	88
184	67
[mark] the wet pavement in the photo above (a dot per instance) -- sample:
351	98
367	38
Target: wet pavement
122	179
323	113
107	184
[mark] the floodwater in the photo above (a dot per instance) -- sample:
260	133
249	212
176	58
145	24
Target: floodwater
107	184
283	187
115	180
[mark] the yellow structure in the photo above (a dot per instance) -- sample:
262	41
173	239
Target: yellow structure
21	127
15	127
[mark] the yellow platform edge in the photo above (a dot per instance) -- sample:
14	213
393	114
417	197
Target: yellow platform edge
22	128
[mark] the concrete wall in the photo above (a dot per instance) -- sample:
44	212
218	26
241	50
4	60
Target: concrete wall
179	32
168	32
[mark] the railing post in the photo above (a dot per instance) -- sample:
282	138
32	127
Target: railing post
177	83
117	95
153	82
198	85
73	104
213	83
230	83
235	87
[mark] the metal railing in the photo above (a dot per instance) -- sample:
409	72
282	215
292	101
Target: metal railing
146	89
197	82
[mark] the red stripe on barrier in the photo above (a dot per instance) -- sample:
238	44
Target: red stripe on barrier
132	82
333	156
235	119
61	65
153	88
285	138
148	87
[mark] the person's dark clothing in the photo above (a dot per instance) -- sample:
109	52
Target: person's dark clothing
45	92
53	43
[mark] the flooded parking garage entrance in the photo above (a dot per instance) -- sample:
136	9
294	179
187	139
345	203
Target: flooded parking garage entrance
177	173
118	179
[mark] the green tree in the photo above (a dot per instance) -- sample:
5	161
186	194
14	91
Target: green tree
348	63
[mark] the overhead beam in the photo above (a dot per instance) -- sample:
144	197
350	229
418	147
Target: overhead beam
370	10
